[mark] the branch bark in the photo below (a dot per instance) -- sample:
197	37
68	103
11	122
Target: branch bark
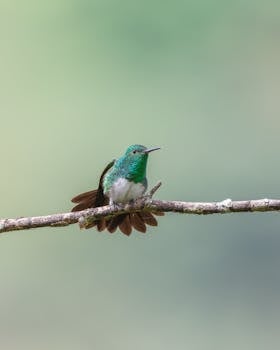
85	217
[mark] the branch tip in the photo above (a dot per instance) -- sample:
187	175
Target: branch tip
154	189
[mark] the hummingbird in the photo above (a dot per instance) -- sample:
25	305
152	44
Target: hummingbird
122	181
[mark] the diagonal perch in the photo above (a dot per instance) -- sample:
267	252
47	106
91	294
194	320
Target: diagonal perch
146	203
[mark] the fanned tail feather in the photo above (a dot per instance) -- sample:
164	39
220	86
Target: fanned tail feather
158	213
125	225
126	222
116	221
101	224
137	222
148	218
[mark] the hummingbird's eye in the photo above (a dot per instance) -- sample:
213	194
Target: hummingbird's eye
134	151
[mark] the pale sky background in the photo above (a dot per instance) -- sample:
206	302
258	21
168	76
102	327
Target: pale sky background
82	80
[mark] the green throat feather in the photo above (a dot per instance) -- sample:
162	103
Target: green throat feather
137	169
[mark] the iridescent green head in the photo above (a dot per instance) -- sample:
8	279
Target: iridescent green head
134	162
138	150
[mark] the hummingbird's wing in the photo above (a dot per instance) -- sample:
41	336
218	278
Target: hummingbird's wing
94	198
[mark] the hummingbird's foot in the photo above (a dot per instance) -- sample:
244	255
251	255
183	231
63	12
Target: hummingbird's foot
116	206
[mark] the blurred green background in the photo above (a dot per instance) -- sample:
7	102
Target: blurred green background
80	81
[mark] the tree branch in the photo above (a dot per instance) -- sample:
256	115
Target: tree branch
85	217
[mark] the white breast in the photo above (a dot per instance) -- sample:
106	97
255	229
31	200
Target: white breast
124	191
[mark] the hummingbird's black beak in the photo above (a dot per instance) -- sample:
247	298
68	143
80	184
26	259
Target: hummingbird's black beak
151	149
